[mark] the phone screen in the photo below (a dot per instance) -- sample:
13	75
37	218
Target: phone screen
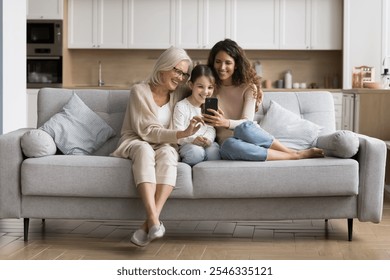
211	103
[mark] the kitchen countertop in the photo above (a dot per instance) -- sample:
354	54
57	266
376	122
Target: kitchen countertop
367	91
301	89
105	87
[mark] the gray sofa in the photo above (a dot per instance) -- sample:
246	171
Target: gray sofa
102	187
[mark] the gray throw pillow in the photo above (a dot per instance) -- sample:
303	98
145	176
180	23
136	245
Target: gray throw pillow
37	143
342	144
289	128
77	129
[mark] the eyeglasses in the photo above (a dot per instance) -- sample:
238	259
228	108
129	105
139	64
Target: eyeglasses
180	73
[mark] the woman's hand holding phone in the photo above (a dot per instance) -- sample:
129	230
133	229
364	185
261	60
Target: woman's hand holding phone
217	119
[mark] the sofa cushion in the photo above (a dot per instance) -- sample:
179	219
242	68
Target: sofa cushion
37	143
289	128
77	129
342	143
89	176
299	178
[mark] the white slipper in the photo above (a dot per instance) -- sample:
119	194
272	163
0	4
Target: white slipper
156	231
140	238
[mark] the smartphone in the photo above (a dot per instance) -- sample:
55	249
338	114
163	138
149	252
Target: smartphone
210	103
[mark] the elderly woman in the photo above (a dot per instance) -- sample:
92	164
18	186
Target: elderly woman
146	137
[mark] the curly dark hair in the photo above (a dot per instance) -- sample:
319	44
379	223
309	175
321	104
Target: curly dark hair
243	73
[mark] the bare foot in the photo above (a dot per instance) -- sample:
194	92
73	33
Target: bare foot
311	153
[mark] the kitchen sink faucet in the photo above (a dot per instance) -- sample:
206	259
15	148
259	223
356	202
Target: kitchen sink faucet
100	82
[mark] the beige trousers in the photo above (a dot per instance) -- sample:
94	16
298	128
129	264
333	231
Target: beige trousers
154	163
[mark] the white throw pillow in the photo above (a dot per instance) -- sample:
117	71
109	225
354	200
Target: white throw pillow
289	128
77	129
37	143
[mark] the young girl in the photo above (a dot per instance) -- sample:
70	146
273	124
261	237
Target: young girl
200	146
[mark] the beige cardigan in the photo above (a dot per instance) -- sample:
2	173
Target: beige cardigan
141	120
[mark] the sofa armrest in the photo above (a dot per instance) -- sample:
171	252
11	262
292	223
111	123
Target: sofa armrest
372	165
11	158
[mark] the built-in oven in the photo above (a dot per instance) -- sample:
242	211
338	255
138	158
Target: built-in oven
44	53
44	71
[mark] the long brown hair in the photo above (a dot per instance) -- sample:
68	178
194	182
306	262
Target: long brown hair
243	73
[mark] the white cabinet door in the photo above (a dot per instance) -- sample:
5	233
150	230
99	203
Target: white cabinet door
82	23
327	24
338	109
189	24
97	24
256	23
217	22
112	24
45	9
151	24
295	24
201	23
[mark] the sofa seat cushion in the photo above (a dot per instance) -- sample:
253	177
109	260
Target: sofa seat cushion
300	178
89	176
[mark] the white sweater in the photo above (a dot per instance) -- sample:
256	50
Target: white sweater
184	111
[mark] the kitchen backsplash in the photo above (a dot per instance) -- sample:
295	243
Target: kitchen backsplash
122	68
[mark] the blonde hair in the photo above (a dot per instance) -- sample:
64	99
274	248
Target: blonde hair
167	61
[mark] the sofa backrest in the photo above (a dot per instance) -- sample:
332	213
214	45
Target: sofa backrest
316	106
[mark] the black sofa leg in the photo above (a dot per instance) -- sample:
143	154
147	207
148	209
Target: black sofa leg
350	228
26	224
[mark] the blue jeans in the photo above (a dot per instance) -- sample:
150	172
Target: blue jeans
250	142
193	154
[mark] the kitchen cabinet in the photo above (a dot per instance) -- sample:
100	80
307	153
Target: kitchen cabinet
311	24
256	24
288	24
201	23
366	111
97	24
217	22
338	108
350	112
326	25
195	24
295	24
189	24
45	9
151	24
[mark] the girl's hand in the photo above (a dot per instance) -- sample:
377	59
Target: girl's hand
195	124
202	141
217	119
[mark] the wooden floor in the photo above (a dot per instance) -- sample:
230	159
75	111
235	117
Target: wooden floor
110	240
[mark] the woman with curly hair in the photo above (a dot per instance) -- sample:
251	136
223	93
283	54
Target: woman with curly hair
239	95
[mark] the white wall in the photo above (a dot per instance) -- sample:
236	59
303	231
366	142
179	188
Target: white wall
385	33
364	27
13	64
